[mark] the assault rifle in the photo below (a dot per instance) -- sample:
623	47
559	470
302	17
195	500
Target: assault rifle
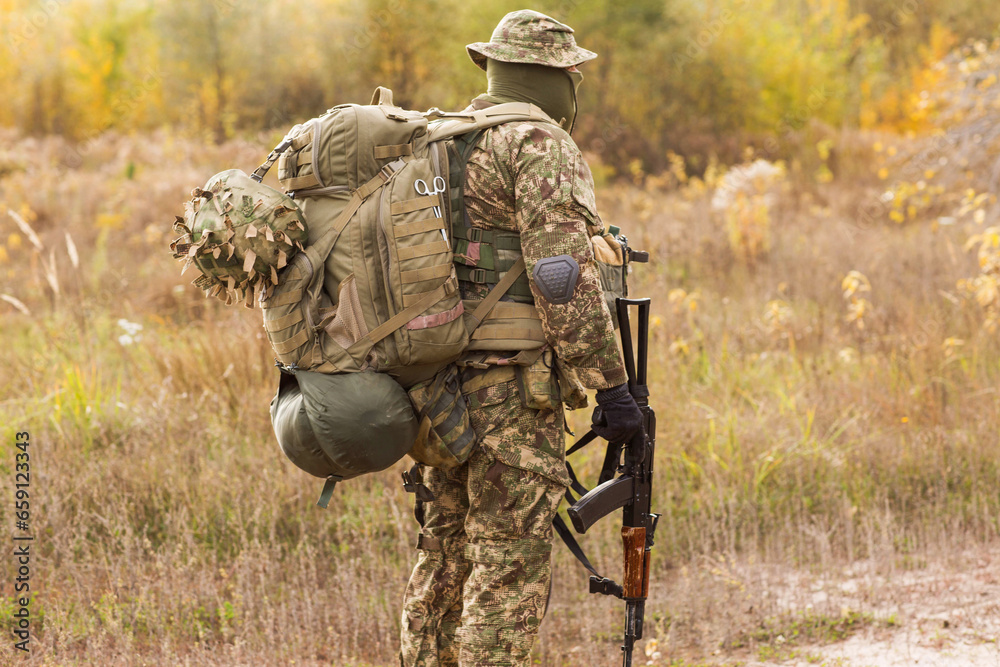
631	489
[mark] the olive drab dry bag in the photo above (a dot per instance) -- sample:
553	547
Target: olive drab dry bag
344	425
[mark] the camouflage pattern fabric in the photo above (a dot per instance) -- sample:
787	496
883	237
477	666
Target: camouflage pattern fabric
526	36
531	178
239	233
480	588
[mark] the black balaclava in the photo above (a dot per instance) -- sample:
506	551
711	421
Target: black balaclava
551	89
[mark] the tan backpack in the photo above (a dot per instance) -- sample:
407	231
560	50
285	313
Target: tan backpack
375	191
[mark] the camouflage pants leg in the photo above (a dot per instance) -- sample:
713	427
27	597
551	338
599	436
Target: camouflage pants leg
510	544
481	584
432	604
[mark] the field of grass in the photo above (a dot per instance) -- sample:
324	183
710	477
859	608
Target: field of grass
805	422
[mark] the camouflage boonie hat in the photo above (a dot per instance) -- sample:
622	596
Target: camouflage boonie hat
238	233
526	36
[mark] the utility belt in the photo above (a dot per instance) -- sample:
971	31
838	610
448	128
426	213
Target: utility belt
445	438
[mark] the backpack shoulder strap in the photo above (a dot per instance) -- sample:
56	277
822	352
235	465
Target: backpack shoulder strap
487	304
453	124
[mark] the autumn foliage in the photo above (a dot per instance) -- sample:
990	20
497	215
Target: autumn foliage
699	78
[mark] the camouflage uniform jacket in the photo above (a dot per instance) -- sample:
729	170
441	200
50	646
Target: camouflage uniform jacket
531	178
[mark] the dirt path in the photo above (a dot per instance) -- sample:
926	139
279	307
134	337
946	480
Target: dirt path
938	615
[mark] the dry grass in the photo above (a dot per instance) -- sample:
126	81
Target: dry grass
172	531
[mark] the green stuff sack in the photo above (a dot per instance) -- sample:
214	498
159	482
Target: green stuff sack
239	234
342	426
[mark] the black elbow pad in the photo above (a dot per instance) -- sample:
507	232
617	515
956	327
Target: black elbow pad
556	277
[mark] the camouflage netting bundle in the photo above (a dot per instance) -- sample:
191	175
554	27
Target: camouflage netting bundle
239	233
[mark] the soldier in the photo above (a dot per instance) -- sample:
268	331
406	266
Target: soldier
481	584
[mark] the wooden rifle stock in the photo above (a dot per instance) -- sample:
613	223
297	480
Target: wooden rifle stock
635	581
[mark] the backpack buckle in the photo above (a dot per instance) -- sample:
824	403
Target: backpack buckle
475	234
477	276
411	485
287	370
387	172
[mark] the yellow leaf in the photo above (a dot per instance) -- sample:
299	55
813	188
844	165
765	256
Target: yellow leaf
676	294
110	220
855	282
679	347
883	173
987	290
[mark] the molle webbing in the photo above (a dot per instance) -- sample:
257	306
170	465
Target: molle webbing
459	150
490	265
477	256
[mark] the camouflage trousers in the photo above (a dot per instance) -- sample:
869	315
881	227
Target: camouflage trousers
481	584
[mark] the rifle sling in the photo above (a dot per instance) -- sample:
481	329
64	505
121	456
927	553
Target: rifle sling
585	440
609	467
567	537
607	472
574	484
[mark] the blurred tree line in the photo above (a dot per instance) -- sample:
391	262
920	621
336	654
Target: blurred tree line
699	77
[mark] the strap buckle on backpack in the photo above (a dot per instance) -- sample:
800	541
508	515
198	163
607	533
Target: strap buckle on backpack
387	172
288	370
411	485
475	234
261	171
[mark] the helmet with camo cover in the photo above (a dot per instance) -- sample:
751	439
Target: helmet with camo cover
238	233
527	36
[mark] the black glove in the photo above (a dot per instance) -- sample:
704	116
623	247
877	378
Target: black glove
616	417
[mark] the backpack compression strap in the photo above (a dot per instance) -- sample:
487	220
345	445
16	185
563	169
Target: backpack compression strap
363	346
453	124
261	171
324	244
487	304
